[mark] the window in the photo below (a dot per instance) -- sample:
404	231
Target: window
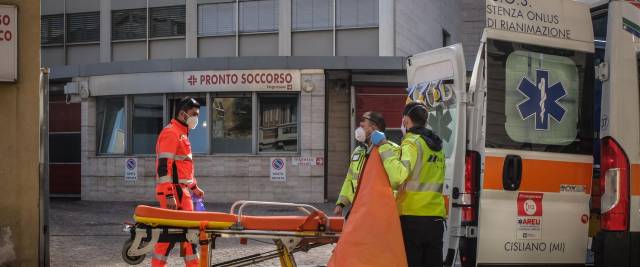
198	136
167	21
52	29
147	122
443	114
259	16
232	124
312	14
216	19
110	122
538	99
356	13
278	123
83	27
600	27
129	24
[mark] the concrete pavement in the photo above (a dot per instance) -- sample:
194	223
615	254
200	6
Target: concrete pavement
86	233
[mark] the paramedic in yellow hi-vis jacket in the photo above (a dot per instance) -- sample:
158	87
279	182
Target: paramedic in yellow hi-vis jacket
371	121
417	172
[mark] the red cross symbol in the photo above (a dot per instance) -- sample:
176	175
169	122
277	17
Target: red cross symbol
192	80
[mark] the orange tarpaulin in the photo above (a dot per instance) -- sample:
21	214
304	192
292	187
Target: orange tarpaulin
372	235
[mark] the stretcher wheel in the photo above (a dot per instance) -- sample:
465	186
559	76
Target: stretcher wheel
131	260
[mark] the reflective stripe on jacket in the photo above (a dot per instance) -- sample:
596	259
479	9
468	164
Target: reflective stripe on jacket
174	162
417	172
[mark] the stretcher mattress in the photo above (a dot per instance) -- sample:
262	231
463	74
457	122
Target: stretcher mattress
219	221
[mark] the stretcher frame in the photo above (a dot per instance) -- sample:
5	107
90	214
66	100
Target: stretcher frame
144	236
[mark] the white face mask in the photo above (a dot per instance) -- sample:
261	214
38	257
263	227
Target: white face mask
360	135
192	121
403	128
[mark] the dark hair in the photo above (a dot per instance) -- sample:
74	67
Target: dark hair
417	112
376	118
186	104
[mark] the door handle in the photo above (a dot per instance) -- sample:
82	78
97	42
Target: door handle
512	173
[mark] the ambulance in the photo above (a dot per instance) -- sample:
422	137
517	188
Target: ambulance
617	235
519	140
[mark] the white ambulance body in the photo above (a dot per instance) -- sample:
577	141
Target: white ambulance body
519	142
617	30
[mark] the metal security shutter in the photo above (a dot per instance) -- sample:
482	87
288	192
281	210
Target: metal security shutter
389	101
356	13
52	29
311	14
129	24
83	27
216	19
259	16
167	21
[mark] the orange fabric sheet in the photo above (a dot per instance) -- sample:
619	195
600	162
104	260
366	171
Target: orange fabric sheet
372	236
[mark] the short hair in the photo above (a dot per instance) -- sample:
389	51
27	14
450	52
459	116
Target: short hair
417	112
376	118
186	104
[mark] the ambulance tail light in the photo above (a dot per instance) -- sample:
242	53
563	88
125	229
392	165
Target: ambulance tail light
614	185
471	183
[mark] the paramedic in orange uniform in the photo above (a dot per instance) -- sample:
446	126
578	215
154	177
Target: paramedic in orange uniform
175	181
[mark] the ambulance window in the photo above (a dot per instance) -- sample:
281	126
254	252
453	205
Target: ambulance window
538	99
442	116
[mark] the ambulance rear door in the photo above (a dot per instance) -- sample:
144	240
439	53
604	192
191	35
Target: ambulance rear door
438	78
538	133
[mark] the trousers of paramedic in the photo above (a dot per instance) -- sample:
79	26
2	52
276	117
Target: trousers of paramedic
417	172
175	181
369	122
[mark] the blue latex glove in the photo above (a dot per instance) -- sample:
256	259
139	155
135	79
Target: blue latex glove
377	137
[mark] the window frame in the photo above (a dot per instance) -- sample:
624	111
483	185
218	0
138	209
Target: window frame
98	129
235	20
330	27
150	22
62	42
298	122
336	19
128	107
584	139
168	116
253	119
83	42
276	29
146	25
131	106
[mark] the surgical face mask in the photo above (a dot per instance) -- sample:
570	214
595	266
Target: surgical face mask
360	135
403	128
192	121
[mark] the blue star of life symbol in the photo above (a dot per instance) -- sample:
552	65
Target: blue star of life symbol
542	100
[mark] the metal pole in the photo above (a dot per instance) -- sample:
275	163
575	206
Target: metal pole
334	28
44	168
147	28
237	28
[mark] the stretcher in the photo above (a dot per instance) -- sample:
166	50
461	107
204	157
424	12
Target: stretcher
290	234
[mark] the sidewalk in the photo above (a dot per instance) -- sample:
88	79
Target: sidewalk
85	233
